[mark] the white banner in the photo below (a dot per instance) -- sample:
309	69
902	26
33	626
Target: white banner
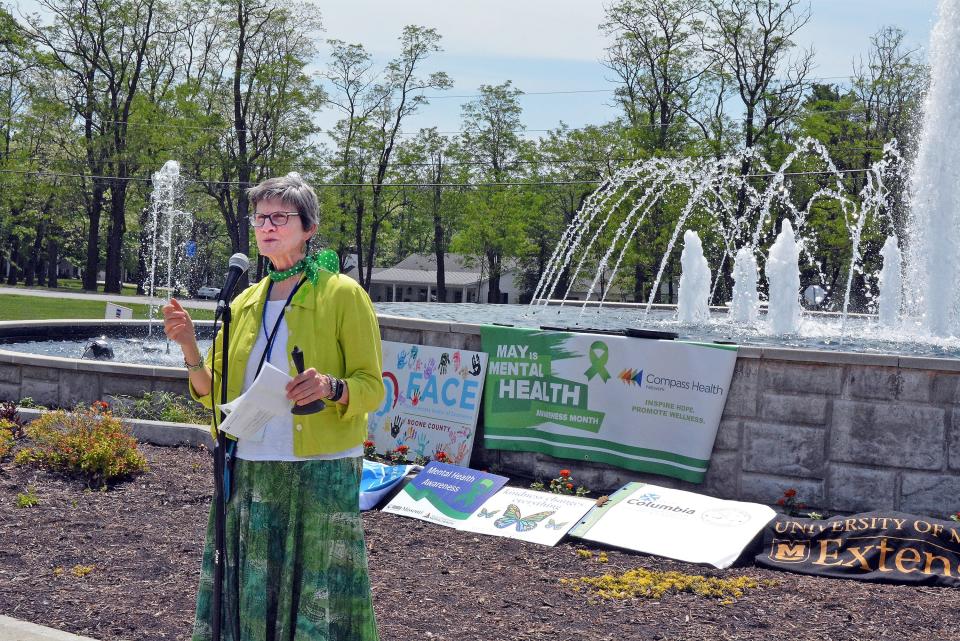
645	405
528	515
432	401
675	524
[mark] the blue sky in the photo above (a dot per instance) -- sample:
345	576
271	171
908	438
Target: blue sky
554	45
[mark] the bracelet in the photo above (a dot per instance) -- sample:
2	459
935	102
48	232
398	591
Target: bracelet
336	389
194	368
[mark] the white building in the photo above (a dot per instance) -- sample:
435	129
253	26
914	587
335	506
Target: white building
414	279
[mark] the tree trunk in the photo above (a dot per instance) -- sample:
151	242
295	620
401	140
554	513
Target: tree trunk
439	247
14	276
94	210
493	285
118	228
53	261
33	261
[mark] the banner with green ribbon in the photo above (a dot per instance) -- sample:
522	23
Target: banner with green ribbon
645	405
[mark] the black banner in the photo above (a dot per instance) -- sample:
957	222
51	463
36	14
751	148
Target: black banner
884	547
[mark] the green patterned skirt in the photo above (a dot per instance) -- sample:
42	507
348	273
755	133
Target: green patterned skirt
296	566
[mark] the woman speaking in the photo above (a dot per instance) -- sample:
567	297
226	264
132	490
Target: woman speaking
296	566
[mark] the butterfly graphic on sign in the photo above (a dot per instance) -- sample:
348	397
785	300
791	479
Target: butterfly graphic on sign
486	514
511	516
553	525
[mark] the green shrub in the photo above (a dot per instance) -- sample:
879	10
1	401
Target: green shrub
28	498
162	406
87	442
8	431
28	402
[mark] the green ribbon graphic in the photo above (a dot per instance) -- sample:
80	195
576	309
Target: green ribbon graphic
598	354
471	495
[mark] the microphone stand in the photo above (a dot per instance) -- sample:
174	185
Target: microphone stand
219	498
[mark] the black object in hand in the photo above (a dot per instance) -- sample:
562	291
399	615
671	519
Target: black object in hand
313	406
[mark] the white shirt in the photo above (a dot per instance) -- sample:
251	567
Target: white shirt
277	443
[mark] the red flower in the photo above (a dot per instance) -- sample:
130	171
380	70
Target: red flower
780	502
368	443
565	474
441	456
790	493
402	449
569	486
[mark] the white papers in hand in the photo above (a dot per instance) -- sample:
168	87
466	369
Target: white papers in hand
265	399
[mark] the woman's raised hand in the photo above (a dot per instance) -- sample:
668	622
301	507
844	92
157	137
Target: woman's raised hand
177	324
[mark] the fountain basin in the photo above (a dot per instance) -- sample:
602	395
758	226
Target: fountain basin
849	431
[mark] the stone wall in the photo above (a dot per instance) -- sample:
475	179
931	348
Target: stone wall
850	432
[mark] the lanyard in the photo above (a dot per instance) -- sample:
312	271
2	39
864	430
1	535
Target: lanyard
276	326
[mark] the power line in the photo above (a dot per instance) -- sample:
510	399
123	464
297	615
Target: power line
323	185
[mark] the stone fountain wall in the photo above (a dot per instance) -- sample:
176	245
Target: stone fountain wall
850	432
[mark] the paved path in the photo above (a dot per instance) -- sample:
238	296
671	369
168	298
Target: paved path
119	299
14	630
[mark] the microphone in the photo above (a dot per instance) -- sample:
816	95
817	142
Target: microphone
239	264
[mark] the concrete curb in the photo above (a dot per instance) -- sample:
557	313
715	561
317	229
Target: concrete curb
153	432
16	630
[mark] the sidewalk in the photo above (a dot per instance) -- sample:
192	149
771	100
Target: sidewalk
15	630
112	298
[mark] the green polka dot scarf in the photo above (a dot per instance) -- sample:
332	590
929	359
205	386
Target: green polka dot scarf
326	260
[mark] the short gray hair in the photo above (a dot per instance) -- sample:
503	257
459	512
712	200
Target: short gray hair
293	190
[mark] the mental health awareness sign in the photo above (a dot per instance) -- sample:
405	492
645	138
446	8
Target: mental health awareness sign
528	515
445	494
644	405
431	403
678	525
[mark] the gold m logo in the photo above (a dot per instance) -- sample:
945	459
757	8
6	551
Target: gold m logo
789	551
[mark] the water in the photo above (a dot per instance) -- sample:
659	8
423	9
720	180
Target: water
934	227
891	284
139	351
819	332
694	292
168	229
745	303
784	278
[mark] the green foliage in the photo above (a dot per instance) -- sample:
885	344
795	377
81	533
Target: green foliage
7	430
161	406
28	498
86	442
27	402
562	484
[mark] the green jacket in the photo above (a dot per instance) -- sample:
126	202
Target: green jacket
334	324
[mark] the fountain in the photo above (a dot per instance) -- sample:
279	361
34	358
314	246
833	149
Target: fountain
694	281
934	225
745	303
168	229
784	277
891	285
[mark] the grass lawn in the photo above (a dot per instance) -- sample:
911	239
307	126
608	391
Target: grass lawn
75	285
38	308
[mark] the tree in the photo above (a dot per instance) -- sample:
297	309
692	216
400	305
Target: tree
251	72
99	49
400	95
491	140
657	59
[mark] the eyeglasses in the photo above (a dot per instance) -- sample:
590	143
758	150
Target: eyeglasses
278	218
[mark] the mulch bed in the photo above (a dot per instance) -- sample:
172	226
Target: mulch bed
143	540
